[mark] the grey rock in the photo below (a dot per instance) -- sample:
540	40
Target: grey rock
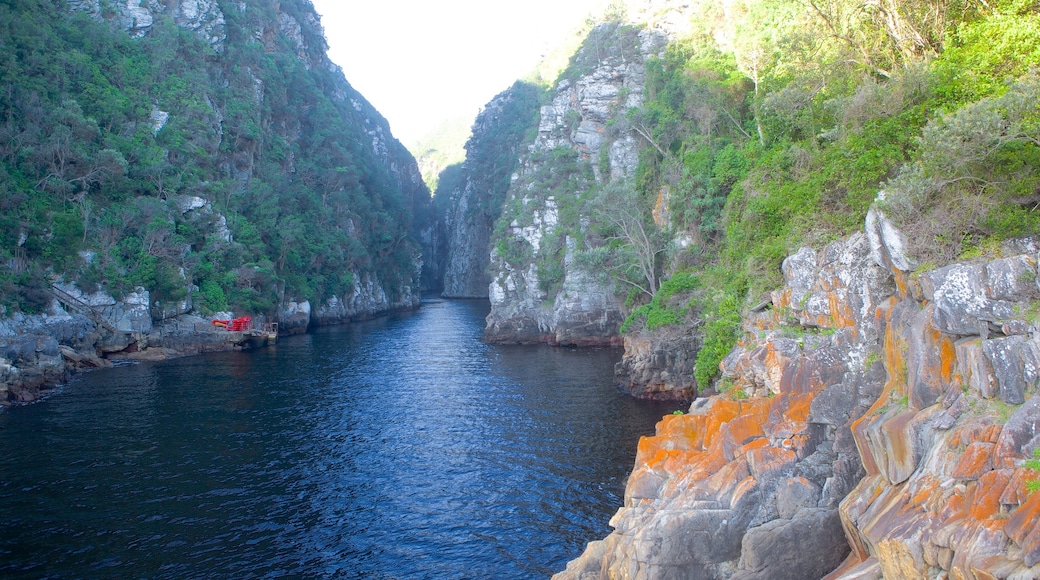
807	546
1019	435
367	300
832	406
961	294
1014	364
794	494
582	307
799	274
1012	279
888	245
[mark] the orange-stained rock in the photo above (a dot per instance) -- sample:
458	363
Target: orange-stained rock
1024	520
1015	494
765	461
746	486
796	406
744	428
977	459
944	487
991	434
947	358
956	508
896	441
984	496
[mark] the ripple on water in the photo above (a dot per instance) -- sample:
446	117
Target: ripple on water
398	448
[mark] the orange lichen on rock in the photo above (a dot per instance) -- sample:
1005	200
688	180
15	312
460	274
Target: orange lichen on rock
977	459
766	460
1016	493
841	313
978	430
984	497
1022	528
947	358
794	407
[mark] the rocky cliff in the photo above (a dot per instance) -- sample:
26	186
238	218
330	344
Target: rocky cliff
214	161
873	423
541	291
478	191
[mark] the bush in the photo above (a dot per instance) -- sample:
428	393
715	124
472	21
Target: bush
721	332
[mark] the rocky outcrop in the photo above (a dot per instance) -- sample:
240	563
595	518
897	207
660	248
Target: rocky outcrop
83	331
39	351
660	365
367	300
540	290
896	408
204	17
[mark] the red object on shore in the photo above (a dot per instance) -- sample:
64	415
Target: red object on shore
240	324
237	325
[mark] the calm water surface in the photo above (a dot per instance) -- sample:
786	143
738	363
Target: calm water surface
400	448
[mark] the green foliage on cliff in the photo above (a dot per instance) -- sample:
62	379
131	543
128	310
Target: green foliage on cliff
492	155
784	136
1034	464
89	168
558	187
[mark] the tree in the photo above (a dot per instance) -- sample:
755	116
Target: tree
635	241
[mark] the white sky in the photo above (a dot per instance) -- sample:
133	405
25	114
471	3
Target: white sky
420	62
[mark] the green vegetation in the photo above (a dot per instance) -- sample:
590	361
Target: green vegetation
441	148
88	168
785	136
1034	464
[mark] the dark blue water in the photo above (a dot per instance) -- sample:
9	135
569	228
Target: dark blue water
400	448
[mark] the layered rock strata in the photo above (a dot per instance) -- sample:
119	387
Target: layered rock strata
897	409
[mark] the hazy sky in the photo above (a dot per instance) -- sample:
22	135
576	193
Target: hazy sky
420	62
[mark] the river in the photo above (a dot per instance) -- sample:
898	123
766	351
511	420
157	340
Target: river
397	448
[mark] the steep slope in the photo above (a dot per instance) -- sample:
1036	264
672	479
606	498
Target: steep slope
897	408
478	189
210	145
164	163
541	291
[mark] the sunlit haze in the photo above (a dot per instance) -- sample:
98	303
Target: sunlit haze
420	62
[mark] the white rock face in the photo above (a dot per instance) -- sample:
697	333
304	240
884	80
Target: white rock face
131	314
204	17
158	119
582	307
368	299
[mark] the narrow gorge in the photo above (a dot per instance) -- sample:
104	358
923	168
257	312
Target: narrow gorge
811	229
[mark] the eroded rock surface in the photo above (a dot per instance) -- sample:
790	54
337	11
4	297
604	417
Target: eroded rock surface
897	408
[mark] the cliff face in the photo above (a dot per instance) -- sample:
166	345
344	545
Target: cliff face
478	191
540	289
660	364
201	159
294	29
897	409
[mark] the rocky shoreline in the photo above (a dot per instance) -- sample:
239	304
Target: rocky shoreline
879	417
39	352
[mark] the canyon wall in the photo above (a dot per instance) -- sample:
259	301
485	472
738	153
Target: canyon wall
240	174
873	422
540	289
477	193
